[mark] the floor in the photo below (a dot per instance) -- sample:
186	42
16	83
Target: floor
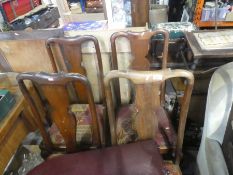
27	156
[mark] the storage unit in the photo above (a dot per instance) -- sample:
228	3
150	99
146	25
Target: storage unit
198	18
43	18
13	9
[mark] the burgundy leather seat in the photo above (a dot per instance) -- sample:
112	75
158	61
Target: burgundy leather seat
141	158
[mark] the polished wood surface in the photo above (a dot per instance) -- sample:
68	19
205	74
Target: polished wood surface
140	43
54	96
25	51
71	51
147	118
16	124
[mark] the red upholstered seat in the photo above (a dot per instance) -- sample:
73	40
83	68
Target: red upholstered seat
165	138
141	158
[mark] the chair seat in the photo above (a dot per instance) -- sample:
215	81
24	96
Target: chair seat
83	130
140	158
165	137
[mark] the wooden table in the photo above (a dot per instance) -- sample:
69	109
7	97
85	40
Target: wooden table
15	126
199	53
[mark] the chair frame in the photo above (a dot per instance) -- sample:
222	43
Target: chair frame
143	77
140	61
77	41
69	131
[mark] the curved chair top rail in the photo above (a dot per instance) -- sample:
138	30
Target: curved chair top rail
140	78
72	40
140	45
75	63
140	49
54	89
78	40
61	78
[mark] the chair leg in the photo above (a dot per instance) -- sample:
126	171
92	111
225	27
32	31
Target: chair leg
45	153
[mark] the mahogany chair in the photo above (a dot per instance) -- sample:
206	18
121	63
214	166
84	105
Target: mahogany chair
65	126
140	43
72	62
145	118
136	158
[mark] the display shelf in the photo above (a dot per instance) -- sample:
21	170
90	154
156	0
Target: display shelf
197	18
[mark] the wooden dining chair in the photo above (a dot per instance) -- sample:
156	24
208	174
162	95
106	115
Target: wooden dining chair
65	126
137	158
145	118
140	44
72	61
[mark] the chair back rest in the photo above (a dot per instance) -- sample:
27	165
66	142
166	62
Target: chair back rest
140	43
54	96
147	92
71	51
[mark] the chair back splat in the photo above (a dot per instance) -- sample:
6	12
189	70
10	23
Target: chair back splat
140	43
66	55
145	107
71	52
57	106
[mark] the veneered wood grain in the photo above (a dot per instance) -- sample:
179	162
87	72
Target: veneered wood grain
26	55
140	43
71	50
58	101
53	87
147	98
